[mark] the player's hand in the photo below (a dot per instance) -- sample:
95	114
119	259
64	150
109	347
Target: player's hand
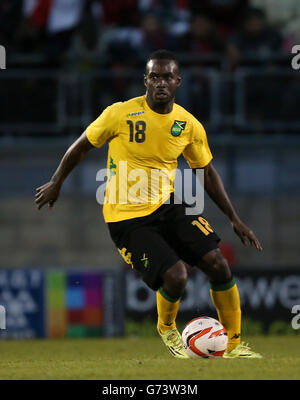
47	193
246	235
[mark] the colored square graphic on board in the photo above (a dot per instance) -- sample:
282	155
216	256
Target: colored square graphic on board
74	304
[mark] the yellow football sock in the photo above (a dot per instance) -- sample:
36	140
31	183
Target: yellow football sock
226	299
167	309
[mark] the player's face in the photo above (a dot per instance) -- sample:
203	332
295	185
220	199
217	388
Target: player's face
161	80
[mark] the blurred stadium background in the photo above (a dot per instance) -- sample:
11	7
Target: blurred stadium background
60	274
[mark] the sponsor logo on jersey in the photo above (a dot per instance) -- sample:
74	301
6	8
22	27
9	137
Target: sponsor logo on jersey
135	114
178	127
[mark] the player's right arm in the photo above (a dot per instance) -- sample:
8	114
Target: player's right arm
103	129
49	192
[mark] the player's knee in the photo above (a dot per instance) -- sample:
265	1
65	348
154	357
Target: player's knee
175	279
219	270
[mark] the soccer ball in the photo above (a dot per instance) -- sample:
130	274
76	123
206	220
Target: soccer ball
204	337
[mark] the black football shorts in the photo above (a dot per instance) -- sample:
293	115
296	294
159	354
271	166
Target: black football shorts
152	244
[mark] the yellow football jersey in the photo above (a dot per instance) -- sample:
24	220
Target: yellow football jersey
142	158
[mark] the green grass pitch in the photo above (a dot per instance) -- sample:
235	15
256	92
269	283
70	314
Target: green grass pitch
142	358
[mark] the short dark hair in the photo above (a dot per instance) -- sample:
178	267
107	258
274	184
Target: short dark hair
163	54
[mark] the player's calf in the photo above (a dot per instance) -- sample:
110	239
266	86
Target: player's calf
225	295
168	302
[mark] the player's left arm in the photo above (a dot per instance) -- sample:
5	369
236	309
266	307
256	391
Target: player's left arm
214	187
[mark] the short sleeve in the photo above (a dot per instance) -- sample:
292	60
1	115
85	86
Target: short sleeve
105	126
197	153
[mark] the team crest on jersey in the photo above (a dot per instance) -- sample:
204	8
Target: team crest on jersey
178	127
135	114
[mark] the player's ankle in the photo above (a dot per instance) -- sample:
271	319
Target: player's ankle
162	328
231	346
